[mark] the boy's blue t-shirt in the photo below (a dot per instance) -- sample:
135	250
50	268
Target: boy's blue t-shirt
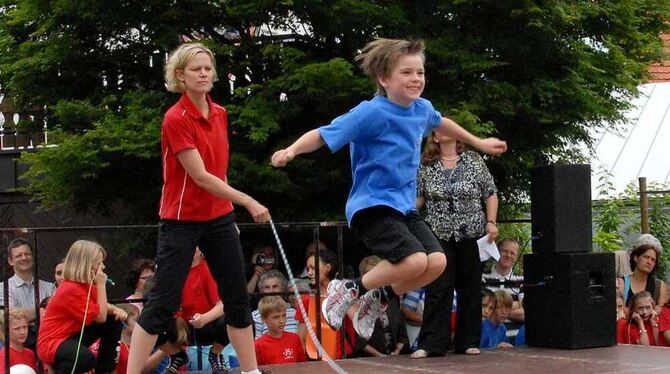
520	336
492	335
385	146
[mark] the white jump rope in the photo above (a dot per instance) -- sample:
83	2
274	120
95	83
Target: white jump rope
312	334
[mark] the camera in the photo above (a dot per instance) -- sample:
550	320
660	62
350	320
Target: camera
262	260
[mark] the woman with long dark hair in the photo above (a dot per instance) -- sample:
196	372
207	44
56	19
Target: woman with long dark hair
644	263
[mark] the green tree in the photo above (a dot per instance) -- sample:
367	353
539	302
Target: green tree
536	73
608	215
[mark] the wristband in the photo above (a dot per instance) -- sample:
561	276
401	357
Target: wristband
493	222
643	331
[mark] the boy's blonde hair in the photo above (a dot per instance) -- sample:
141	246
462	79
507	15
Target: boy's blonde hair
379	57
129	308
182	332
270	304
503	299
178	60
368	261
79	261
16	315
488	298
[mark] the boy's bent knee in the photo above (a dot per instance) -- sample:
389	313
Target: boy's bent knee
416	263
437	262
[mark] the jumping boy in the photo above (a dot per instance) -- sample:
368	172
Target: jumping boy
385	136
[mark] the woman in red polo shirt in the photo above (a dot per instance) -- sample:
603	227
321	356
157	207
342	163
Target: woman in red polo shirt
196	209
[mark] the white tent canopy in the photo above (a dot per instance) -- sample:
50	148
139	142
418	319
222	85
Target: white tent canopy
641	148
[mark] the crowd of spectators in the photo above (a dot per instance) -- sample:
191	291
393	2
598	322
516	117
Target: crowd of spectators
643	313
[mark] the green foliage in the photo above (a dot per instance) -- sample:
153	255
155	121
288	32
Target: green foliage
608	215
114	158
620	215
538	74
659	224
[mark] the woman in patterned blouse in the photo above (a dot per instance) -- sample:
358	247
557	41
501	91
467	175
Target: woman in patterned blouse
454	184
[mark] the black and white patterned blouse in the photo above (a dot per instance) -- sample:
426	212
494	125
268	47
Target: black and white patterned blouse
455	197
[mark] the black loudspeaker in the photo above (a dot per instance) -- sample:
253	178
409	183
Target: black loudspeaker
560	208
570	300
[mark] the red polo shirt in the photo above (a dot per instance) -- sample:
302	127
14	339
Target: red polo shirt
183	128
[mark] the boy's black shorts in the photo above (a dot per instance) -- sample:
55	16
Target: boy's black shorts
392	235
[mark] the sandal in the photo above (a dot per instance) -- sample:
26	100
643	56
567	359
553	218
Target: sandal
419	353
472	351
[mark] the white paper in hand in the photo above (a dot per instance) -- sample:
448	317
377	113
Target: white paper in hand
486	249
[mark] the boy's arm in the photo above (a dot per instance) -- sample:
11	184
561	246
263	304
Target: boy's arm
309	142
492	146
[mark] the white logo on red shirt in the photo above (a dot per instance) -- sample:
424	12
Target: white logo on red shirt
288	353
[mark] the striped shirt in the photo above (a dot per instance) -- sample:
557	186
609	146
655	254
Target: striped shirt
494	277
22	293
413	300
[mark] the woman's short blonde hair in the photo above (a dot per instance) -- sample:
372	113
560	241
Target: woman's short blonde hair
79	261
178	60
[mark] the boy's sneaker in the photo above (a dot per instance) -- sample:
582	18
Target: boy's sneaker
217	363
369	310
338	300
177	360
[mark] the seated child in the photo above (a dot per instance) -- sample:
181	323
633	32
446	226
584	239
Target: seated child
664	323
412	309
641	327
18	332
389	336
520	338
81	301
277	346
494	331
488	303
620	312
124	346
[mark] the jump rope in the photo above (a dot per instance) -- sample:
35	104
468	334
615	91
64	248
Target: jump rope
310	330
83	325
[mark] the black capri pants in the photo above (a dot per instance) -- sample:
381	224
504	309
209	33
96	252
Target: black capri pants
219	241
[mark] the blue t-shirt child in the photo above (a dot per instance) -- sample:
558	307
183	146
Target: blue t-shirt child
520	336
385	146
492	335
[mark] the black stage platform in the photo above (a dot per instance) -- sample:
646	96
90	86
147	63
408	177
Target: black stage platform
527	360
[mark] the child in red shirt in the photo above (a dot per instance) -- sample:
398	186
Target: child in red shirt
124	344
277	346
81	302
664	325
18	332
642	325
